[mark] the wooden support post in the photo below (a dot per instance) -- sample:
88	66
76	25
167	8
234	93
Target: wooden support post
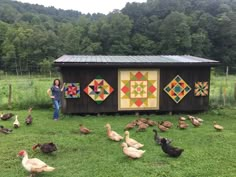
137	114
170	113
9	96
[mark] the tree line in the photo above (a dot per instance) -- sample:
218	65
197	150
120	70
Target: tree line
32	36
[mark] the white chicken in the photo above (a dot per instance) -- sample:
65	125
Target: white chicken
34	165
16	123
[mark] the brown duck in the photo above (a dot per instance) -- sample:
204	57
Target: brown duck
161	127
29	118
167	124
83	129
6	116
46	148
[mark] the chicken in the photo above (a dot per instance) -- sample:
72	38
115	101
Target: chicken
29	118
46	148
170	150
218	127
6	116
34	165
112	134
16	123
131	142
5	130
132	152
158	138
84	130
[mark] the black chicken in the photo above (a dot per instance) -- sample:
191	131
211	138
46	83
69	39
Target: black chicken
6	116
5	130
170	150
158	138
46	148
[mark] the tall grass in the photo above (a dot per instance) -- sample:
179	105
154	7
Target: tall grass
25	92
222	91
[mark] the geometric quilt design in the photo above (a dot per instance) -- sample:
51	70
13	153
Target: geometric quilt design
177	89
201	89
138	89
72	90
98	90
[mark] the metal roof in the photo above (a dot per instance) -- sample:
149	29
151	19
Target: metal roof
159	60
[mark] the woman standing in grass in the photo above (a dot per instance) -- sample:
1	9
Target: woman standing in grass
55	94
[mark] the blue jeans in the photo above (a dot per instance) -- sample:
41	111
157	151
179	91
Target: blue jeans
56	104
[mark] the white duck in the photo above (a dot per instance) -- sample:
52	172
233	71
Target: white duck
33	165
112	134
132	152
16	123
131	142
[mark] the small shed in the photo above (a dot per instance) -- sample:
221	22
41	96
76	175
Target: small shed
106	84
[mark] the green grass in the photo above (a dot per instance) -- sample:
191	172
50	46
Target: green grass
207	152
25	92
31	91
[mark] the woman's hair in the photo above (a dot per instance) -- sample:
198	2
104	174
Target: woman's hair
54	82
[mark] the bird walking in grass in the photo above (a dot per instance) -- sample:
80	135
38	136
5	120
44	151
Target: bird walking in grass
16	123
34	165
170	150
131	152
217	126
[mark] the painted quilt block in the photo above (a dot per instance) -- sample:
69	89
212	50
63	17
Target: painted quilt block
138	89
72	90
201	89
177	89
98	90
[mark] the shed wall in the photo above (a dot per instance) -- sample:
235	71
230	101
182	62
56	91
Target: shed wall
84	75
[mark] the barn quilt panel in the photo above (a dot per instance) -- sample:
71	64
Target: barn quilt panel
138	89
72	90
201	89
98	90
177	89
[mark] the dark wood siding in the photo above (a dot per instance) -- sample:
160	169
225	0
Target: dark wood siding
84	75
190	75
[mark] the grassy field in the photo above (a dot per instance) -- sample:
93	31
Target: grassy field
207	152
32	91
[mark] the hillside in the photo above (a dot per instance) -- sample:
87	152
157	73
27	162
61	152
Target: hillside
31	36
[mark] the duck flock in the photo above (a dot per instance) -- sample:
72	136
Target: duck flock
130	146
